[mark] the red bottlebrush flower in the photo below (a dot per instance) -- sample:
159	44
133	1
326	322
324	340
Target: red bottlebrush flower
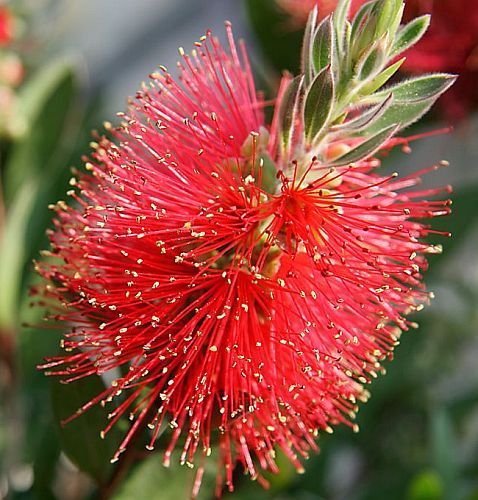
451	45
6	26
245	292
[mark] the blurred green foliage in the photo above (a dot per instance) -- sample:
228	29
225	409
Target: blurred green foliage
280	41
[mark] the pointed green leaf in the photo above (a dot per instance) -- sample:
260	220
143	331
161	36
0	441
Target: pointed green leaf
318	104
381	79
347	38
372	61
365	118
341	14
410	34
389	16
340	17
384	16
420	88
288	111
364	27
366	148
395	22
402	113
360	18
323	45
306	57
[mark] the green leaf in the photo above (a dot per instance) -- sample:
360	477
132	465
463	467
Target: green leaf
47	101
319	102
152	481
344	57
372	61
402	114
339	20
365	118
323	45
373	21
12	254
360	18
410	34
408	106
420	89
45	153
41	87
395	19
363	28
381	79
389	16
307	47
80	438
288	110
366	148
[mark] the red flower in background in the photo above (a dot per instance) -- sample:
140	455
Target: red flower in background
6	26
248	299
11	76
450	45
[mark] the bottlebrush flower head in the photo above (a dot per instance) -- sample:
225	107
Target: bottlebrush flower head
249	280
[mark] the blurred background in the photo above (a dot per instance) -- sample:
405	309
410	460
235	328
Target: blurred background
67	65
